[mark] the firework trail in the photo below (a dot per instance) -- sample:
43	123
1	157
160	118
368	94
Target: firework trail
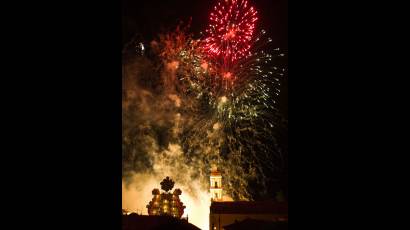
189	103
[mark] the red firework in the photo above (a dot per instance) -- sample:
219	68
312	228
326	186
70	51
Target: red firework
231	29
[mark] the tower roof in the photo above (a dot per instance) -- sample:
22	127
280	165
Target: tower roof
214	171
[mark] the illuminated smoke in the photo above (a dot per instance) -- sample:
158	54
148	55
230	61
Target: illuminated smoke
154	120
137	192
177	121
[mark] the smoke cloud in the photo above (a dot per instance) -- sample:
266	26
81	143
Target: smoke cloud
170	129
153	125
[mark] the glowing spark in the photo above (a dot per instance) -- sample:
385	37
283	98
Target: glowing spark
223	100
204	66
227	75
173	65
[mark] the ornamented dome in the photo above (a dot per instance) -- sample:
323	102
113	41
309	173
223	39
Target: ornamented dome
166	203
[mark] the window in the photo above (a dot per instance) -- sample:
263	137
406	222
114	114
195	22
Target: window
216	184
216	195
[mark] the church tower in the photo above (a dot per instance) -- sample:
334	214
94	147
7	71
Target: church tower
216	184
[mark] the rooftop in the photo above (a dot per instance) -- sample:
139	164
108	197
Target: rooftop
134	221
257	224
250	207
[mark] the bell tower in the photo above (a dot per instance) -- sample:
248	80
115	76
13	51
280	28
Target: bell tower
216	184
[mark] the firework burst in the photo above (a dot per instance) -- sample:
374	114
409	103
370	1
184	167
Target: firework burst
235	119
230	32
217	101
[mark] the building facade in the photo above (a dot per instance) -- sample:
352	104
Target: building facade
227	213
224	212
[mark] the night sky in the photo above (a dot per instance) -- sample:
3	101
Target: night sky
146	19
148	16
